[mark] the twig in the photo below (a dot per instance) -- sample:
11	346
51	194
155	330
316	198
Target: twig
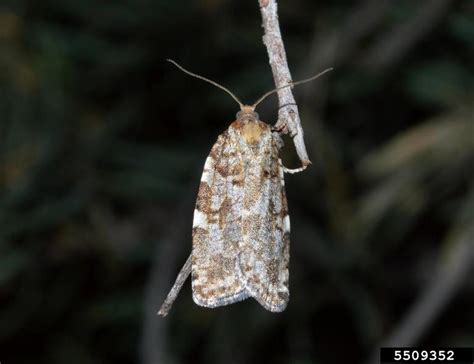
183	273
288	116
178	284
153	346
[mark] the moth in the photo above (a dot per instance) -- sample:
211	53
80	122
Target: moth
241	226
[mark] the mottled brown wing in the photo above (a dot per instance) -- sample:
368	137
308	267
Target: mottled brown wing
264	256
217	226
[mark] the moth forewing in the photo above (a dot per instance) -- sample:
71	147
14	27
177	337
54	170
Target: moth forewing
215	280
265	254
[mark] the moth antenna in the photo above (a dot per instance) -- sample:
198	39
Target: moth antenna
207	80
291	84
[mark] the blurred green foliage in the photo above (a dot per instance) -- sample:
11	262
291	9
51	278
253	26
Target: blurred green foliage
102	144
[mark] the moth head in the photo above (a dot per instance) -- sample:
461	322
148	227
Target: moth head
247	114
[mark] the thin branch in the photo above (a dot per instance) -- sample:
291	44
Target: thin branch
178	284
153	348
288	116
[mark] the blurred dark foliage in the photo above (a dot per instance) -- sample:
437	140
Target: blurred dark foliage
102	145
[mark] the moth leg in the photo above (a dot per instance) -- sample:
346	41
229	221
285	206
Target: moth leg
293	170
290	170
281	127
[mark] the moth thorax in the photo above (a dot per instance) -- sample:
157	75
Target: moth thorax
252	132
250	126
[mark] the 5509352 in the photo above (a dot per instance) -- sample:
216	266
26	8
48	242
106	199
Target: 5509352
421	355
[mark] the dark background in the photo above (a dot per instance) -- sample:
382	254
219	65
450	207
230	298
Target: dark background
102	144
